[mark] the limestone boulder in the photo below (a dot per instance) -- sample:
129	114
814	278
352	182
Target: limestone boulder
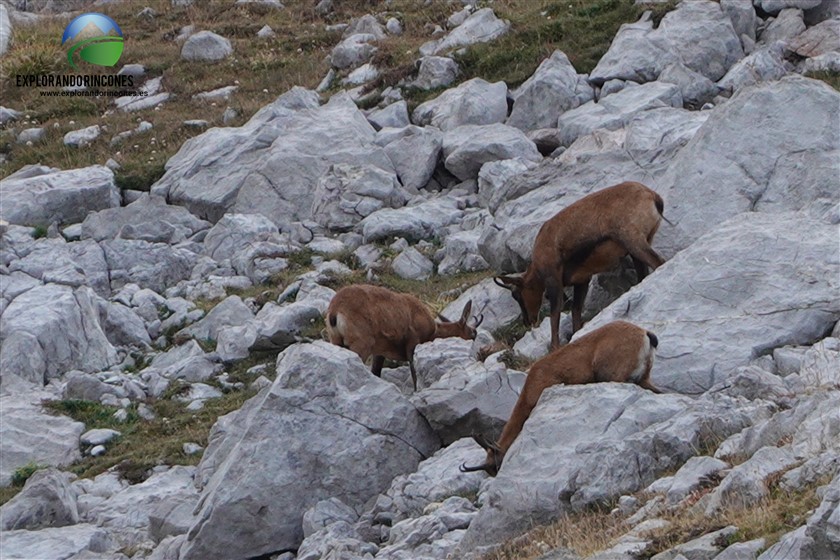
148	218
52	329
346	194
583	445
369	432
480	27
725	314
475	101
554	87
467	148
30	435
65	197
699	34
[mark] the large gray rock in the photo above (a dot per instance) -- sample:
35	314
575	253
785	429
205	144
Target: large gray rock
394	115
276	327
742	15
481	27
148	218
466	148
52	329
554	87
272	164
820	39
414	222
746	484
616	110
698	34
128	513
206	46
346	194
786	164
230	312
435	72
763	65
353	51
235	233
695	88
324	403
472	102
76	541
584	445
787	25
491	300
29	435
413	265
522	203
70	264
775	6
470	398
436	479
65	197
82	137
156	266
461	254
415	155
47	500
717	304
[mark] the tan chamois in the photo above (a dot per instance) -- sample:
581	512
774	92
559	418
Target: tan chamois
588	237
618	351
374	321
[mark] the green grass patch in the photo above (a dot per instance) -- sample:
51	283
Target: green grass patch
827	76
22	474
146	444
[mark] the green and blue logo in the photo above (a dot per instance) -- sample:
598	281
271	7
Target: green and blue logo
96	37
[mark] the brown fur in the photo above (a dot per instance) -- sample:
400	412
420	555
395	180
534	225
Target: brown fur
374	321
613	352
584	239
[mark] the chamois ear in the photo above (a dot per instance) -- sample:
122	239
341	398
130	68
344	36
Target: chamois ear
508	282
465	315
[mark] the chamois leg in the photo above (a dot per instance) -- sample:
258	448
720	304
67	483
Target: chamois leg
641	269
376	366
554	293
640	249
409	352
646	384
577	305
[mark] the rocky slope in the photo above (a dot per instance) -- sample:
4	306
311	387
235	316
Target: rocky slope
132	299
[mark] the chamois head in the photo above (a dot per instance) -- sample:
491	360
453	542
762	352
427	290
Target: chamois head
494	457
460	328
527	294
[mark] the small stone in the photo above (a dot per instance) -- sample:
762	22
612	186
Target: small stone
191	448
97	451
99	436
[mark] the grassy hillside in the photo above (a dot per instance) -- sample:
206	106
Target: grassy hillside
265	68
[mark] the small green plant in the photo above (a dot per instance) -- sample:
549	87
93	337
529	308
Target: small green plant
39	232
91	414
22	474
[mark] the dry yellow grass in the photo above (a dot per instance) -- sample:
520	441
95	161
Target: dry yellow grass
592	531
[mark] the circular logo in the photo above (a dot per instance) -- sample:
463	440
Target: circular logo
95	37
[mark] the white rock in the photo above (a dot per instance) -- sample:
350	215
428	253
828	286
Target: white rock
206	46
555	87
313	382
353	51
83	137
412	265
436	72
481	27
99	436
472	102
58	542
361	75
468	147
47	500
29	435
415	155
787	25
394	115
